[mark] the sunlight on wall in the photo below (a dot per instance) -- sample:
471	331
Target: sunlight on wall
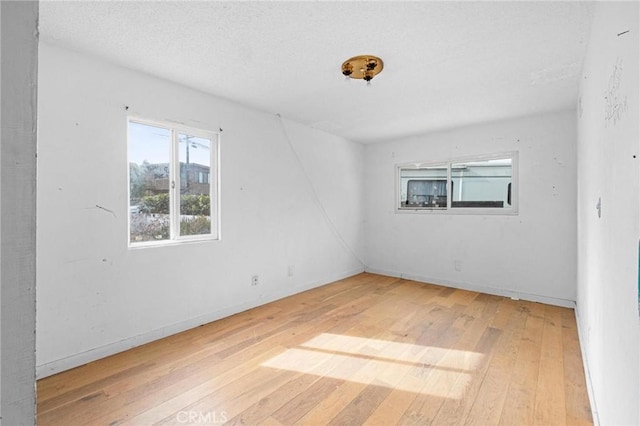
428	370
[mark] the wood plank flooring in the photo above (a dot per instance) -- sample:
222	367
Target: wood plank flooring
368	350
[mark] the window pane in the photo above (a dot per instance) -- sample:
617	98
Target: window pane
149	157
481	184
195	190
424	187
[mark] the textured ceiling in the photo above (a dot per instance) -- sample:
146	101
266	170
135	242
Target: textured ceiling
447	64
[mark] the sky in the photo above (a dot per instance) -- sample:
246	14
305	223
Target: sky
152	144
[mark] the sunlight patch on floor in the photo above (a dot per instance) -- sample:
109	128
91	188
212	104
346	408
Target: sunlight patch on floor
397	351
421	369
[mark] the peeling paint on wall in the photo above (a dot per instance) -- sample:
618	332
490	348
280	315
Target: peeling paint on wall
615	103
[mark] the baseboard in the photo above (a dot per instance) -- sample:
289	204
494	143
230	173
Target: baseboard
587	370
566	303
94	354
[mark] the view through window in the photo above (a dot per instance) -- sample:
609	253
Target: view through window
475	185
172	185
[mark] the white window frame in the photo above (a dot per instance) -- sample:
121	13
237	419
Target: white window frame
511	210
174	186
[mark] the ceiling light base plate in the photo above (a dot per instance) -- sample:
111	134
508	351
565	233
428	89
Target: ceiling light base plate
362	67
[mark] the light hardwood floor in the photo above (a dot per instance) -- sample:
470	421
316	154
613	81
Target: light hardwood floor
365	350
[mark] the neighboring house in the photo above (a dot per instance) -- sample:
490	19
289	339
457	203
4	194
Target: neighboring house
154	178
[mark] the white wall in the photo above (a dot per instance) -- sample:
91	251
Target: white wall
531	255
19	55
95	296
608	158
0	226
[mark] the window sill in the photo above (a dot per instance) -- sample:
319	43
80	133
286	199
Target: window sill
167	243
459	211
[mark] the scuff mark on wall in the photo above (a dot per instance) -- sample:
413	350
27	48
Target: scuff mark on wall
107	210
580	107
558	162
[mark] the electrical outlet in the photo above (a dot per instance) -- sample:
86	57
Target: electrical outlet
254	280
290	270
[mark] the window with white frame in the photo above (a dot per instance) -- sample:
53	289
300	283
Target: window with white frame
171	196
482	185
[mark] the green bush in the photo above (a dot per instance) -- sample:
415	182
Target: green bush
196	226
195	205
158	204
191	204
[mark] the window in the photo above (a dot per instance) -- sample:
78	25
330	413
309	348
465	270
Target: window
482	185
171	197
425	187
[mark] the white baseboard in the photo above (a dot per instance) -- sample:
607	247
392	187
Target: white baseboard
587	370
94	354
479	288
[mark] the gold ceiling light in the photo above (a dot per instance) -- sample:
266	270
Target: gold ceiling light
363	67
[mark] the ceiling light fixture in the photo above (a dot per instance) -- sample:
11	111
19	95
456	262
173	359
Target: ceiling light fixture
363	67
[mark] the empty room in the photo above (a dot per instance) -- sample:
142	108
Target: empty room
346	213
